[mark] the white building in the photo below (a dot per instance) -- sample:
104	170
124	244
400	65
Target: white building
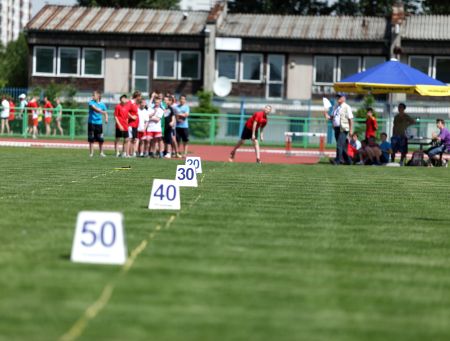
14	16
196	5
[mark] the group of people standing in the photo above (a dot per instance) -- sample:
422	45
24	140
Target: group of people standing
37	112
153	127
349	150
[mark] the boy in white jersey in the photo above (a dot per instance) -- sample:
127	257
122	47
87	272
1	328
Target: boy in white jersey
154	129
144	116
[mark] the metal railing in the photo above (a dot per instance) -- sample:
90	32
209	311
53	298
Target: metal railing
220	128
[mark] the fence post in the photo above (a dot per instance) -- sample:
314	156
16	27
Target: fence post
305	130
25	122
72	126
212	130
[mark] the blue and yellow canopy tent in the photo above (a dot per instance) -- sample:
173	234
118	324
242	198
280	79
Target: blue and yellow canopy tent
392	77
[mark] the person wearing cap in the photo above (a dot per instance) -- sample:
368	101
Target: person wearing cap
23	104
342	118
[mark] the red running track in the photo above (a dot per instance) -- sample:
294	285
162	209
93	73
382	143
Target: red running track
206	152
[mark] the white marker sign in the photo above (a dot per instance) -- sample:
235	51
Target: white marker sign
165	195
186	176
99	238
196	162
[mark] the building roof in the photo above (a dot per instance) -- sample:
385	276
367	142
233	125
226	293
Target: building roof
343	28
427	27
112	20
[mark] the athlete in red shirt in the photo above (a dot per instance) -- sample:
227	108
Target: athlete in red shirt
257	121
133	123
33	117
371	124
121	117
48	110
12	115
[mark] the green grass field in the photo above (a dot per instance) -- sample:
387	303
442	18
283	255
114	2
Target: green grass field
257	252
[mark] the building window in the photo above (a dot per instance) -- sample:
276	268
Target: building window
251	67
92	62
324	67
226	65
44	60
165	64
421	63
189	65
141	60
442	66
275	76
348	66
373	61
68	61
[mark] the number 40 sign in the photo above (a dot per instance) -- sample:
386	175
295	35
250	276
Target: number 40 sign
99	238
165	195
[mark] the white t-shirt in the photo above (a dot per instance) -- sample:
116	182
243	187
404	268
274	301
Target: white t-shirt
156	126
144	115
5	109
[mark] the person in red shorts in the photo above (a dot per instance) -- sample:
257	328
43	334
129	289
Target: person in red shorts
121	117
48	109
12	113
257	121
133	123
33	115
371	124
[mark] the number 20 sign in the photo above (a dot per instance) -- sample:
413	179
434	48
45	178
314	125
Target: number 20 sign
196	162
165	195
99	238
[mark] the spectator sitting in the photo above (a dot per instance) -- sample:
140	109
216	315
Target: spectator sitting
355	146
386	148
443	140
373	152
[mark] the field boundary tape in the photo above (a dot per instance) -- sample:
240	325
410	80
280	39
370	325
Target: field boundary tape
77	329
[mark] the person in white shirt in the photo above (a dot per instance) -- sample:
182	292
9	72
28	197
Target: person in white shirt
5	115
342	118
154	129
144	116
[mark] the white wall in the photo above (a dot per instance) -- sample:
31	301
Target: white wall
299	76
117	70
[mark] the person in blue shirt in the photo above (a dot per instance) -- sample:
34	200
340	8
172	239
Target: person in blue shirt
182	128
386	148
95	123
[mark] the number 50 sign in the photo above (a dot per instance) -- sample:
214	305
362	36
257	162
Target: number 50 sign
99	238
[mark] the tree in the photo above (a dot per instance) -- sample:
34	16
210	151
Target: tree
299	7
436	7
14	63
156	4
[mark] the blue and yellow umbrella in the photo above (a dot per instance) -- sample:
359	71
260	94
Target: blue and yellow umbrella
392	77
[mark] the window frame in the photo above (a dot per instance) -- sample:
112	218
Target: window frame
59	73
85	75
199	63
430	62
315	82
133	69
339	73
175	63
236	65
261	68
435	59
364	68
281	82
45	74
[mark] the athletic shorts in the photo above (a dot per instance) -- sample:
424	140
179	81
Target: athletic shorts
182	134
48	120
399	144
132	133
142	135
121	134
169	133
95	133
154	134
35	122
247	134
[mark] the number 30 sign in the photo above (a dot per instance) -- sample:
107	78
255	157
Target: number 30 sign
99	238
